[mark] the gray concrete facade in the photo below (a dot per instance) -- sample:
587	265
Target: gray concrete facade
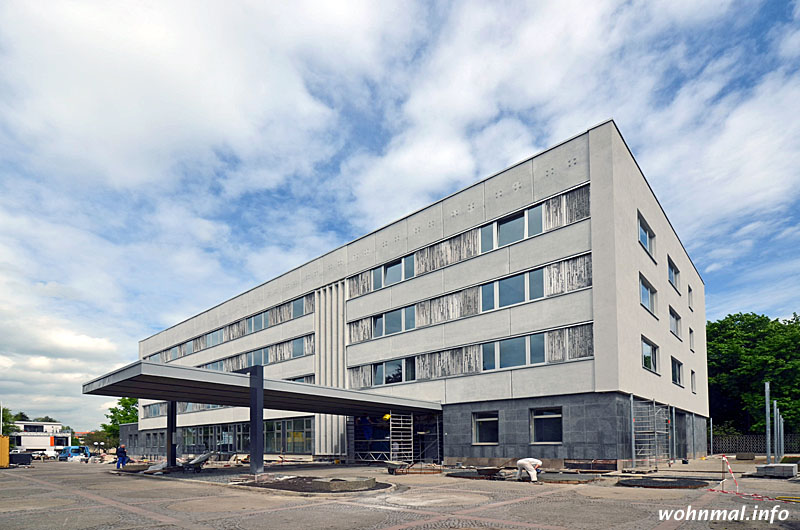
582	199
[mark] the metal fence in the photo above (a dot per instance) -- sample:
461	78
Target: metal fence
753	443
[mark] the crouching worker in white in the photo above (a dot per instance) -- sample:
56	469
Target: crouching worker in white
530	465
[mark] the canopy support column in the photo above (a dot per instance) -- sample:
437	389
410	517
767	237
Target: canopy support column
172	420
257	419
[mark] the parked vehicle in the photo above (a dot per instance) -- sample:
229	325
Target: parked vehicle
73	451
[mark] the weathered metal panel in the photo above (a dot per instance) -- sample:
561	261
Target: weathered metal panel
308	304
360	376
578	272
447	252
452	306
423	313
360	330
308	345
554	279
472	359
237	362
440	364
577	204
556	345
235	330
580	341
359	284
554	213
279	314
280	352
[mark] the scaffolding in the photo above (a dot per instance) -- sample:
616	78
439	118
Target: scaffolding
401	437
651	438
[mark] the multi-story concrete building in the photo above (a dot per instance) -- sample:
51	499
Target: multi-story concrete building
40	436
545	307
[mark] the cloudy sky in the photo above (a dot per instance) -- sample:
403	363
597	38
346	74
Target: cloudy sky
157	158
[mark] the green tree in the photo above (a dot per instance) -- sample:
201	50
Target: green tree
21	416
126	411
46	418
744	351
8	422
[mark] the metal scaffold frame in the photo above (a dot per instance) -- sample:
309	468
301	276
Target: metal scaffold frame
650	434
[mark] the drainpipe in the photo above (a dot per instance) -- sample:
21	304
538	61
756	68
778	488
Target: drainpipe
633	441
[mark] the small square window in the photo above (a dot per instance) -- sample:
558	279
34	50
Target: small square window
298	349
546	425
487	237
297	308
646	236
485	428
674	322
488	356
408	267
411	368
647	295
677	372
511	290
535	220
510	229
487	297
537	348
394	273
512	352
649	355
393	322
377	278
410	317
536	284
673	273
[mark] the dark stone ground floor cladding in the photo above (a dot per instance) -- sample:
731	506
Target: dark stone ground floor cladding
594	426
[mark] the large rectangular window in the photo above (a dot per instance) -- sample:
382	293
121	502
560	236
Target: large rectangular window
536	284
546	426
188	347
485	427
393	273
298	349
298	308
411	369
535	220
377	278
214	338
409	314
393	322
487	297
488	356
677	372
487	237
377	374
408	267
511	229
537	348
393	371
512	352
647	295
646	236
377	326
674	322
511	290
649	355
674	274
255	323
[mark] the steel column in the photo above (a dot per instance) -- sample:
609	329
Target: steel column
257	419
633	440
172	420
766	406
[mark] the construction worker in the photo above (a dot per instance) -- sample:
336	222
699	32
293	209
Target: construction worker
530	465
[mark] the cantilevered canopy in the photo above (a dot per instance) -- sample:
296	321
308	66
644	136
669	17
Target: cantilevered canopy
165	382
